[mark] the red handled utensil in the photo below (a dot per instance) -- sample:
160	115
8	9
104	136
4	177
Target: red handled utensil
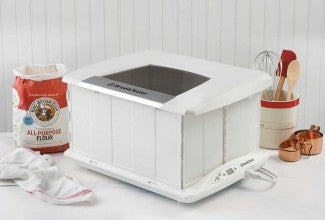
286	57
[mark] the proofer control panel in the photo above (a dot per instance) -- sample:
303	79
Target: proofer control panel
223	174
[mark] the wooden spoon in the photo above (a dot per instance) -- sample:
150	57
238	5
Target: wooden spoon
293	74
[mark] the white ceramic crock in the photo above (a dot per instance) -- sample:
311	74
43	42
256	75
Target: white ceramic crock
278	120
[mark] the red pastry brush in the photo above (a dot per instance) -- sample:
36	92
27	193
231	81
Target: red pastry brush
286	57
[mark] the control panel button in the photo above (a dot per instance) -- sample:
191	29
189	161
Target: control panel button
229	171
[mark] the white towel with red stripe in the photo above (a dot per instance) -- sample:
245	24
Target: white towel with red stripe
36	174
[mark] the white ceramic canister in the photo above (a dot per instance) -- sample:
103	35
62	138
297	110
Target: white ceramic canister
278	120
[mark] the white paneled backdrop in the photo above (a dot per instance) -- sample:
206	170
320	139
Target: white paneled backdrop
80	32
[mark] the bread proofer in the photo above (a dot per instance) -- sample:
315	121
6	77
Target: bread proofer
178	126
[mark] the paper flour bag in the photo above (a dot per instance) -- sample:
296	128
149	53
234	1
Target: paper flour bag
40	112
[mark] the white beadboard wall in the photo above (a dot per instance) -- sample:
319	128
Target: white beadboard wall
80	32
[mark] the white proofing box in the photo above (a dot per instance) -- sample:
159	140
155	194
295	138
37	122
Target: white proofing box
174	145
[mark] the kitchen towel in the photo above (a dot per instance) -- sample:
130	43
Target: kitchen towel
36	174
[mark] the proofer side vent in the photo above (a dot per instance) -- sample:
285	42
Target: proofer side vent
111	128
202	145
168	148
90	133
69	116
213	140
224	134
182	155
241	128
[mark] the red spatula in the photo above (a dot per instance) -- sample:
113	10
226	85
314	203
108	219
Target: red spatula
286	57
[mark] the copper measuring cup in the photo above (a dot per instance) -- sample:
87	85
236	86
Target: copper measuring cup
314	136
291	150
302	142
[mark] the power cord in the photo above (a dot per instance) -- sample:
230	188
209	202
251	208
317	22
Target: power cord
261	174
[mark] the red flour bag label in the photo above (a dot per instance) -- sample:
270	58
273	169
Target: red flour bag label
40	112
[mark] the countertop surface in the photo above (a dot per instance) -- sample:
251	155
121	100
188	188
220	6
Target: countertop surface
298	194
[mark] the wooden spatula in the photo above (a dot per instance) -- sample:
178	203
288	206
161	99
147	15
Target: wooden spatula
293	74
286	57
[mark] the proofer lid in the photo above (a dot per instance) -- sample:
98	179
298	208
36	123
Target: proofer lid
175	83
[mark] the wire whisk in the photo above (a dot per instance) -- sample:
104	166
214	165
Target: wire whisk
270	62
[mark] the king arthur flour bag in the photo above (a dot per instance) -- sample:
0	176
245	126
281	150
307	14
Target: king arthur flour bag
40	112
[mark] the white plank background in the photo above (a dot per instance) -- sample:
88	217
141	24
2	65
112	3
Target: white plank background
81	32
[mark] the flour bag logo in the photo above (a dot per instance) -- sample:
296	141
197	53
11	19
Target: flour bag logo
44	111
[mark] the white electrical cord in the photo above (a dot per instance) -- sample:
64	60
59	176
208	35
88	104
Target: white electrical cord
267	175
